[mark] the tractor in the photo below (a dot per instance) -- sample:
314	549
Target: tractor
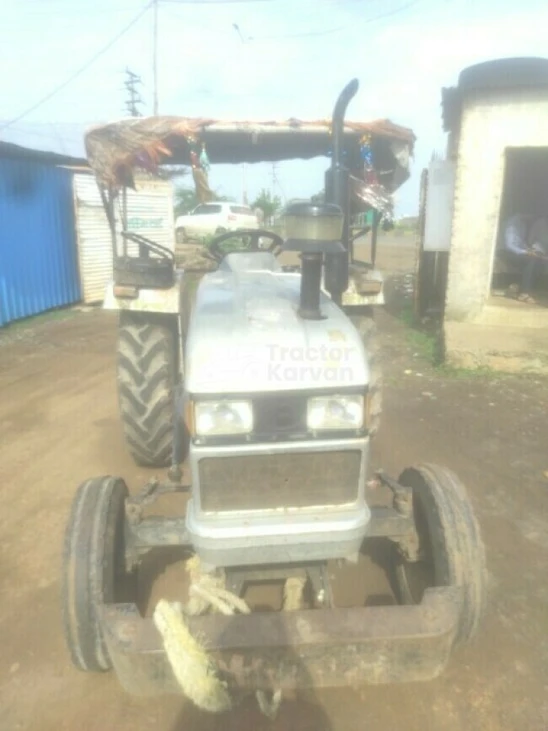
257	383
151	282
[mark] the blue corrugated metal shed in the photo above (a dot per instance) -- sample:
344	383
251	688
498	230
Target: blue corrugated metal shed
38	251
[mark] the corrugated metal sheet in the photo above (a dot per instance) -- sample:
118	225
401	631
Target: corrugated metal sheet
149	213
94	239
38	263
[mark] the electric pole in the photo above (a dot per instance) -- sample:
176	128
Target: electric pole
244	183
134	98
155	56
273	180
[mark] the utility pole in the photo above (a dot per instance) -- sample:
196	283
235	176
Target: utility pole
244	183
155	56
134	98
274	179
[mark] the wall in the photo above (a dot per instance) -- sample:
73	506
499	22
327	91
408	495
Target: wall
38	263
94	238
491	122
439	206
149	213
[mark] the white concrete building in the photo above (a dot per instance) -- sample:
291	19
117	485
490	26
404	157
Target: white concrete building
497	120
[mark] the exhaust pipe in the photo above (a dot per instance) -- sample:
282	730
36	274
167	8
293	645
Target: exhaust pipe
311	282
337	192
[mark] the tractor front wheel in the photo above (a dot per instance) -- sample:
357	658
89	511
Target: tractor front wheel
450	550
147	373
94	568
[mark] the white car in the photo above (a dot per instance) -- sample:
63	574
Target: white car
214	218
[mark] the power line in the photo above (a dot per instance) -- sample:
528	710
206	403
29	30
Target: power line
308	34
355	22
238	31
154	3
239	2
215	2
80	71
29	130
155	56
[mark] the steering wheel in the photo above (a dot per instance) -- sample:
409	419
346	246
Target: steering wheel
250	238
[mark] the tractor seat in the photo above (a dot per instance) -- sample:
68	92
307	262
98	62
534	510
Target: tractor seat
250	261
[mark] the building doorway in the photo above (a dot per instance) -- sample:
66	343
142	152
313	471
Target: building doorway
525	193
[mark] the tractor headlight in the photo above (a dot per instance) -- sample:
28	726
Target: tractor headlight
335	412
222	418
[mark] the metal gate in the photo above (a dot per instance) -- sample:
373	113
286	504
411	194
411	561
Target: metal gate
38	263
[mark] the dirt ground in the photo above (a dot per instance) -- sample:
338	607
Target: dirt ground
59	425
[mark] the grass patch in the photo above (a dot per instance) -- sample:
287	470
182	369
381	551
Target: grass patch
466	374
427	343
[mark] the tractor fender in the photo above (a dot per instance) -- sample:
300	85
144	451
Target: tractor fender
166	301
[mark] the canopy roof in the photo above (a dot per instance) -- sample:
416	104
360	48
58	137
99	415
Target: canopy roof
115	150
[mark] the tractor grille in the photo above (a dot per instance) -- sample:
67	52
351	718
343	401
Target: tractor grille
270	481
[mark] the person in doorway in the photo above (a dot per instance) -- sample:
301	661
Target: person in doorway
525	243
538	236
537	251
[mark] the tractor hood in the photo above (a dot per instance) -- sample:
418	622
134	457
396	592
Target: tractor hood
245	336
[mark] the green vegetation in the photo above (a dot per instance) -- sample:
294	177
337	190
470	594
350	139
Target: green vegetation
428	343
408	224
467	374
269	205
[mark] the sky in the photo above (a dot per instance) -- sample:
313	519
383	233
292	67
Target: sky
291	58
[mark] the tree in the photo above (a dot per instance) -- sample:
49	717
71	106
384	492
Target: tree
318	197
269	205
185	200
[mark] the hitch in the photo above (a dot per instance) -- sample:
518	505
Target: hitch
398	522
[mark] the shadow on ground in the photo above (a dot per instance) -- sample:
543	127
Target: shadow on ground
302	714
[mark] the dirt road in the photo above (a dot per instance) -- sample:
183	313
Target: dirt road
59	425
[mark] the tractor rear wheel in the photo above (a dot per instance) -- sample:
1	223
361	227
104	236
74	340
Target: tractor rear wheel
451	551
147	374
366	327
94	568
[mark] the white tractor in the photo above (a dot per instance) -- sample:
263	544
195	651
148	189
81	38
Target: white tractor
266	382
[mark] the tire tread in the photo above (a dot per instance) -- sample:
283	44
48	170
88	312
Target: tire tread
90	556
459	552
146	383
